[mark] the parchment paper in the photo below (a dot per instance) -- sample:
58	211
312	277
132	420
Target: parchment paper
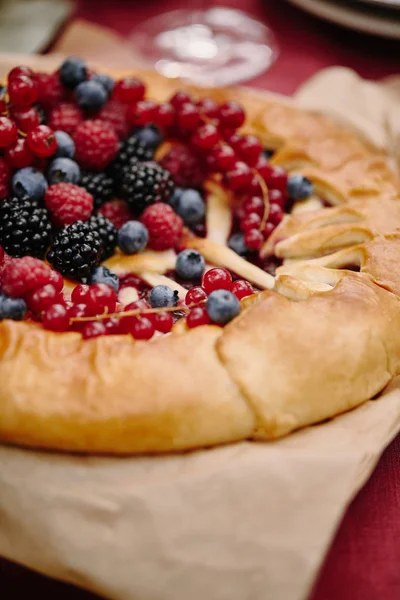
249	521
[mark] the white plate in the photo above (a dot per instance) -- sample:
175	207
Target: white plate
362	18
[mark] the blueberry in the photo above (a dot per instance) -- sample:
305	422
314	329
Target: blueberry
299	187
104	275
132	237
268	154
105	80
222	306
72	72
12	308
174	198
63	170
150	135
162	296
237	244
190	265
90	95
29	183
65	145
191	207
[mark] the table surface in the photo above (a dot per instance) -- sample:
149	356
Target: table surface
363	561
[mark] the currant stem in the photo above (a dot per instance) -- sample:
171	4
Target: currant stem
265	194
132	313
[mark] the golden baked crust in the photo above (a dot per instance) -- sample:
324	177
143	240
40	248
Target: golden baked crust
262	376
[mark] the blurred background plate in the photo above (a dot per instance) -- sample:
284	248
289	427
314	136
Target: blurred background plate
383	3
355	15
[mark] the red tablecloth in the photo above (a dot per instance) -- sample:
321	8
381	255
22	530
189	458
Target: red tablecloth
363	562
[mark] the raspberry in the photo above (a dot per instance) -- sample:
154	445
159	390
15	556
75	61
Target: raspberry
115	113
117	211
96	144
21	275
185	167
163	224
51	92
65	117
4	262
5	174
67	203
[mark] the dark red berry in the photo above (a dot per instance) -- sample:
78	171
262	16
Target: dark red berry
80	294
26	118
224	157
19	155
276	197
253	239
254	188
208	107
22	91
262	166
250	221
101	298
40	299
42	141
179	99
277	178
239	177
162	321
268	229
141	113
129	90
275	214
242	288
1	254
206	137
254	204
249	149
141	328
216	279
188	116
8	132
198	316
164	115
231	115
195	296
93	329
56	318
19	71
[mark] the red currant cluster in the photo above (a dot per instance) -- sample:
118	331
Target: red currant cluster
214	279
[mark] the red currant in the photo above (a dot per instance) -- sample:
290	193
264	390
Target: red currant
112	326
253	239
80	293
26	118
80	310
3	106
42	141
93	329
268	229
101	298
224	157
179	99
216	279
195	295
19	155
57	280
239	177
138	305
254	188
277	178
242	288
22	91
231	115
8	132
205	137
40	299
208	107
188	116
233	139
197	316
18	71
276	197
250	221
262	166
275	214
164	115
56	318
162	321
249	149
141	113
142	328
129	90
254	204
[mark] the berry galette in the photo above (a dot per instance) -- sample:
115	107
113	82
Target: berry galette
181	268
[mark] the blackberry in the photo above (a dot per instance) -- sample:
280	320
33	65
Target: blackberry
100	185
25	229
107	233
132	150
145	184
75	251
